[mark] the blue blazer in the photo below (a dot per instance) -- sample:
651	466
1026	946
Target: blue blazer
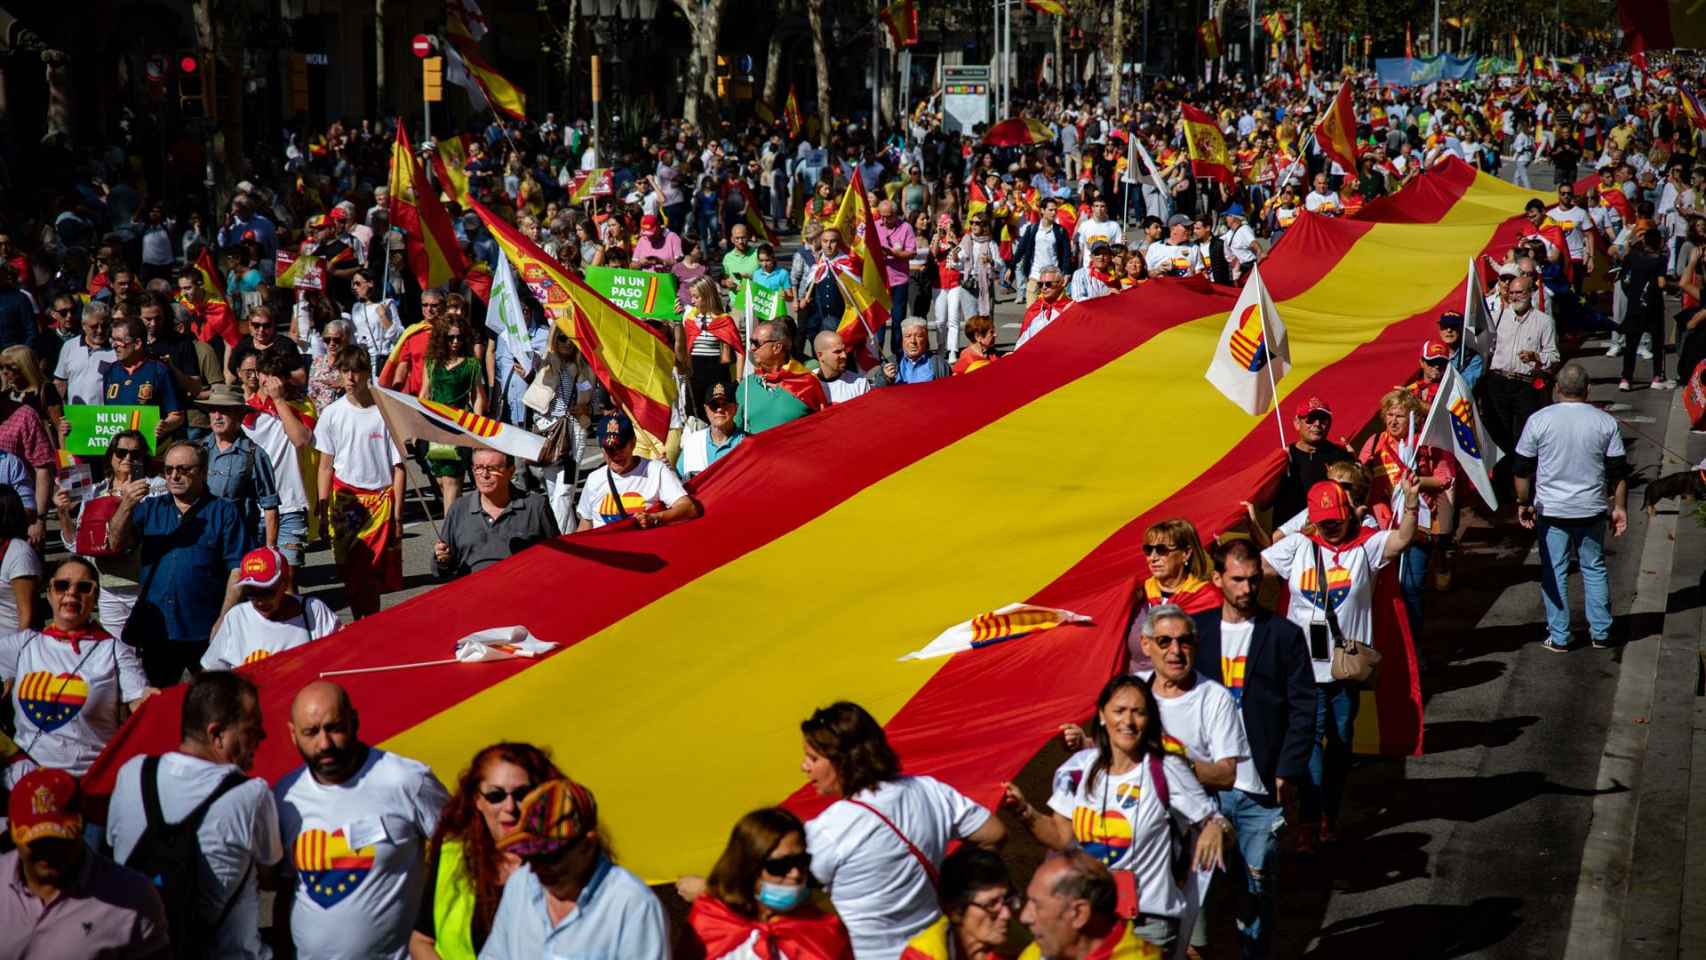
1278	703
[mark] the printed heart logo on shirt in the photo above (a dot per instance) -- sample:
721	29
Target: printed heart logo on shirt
51	700
1105	836
329	869
632	503
256	656
1338	586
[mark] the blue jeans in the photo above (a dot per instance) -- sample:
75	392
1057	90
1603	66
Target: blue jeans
293	536
897	313
1258	828
1585	543
1335	723
1413	583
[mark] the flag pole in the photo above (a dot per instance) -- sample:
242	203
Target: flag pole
1268	345
745	382
1302	155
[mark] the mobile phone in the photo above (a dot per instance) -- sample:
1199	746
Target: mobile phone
1319	642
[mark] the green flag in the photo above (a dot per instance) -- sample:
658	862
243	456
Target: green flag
766	304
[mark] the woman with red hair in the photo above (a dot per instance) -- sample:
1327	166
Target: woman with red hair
467	870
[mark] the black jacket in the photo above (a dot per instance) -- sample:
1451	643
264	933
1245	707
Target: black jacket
1027	247
1278	703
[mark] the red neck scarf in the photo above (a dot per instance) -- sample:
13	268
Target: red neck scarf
1193	594
92	633
1052	305
806	934
261	403
1106	278
721	326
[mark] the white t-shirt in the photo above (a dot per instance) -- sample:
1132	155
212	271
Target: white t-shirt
21	560
1234	651
848	386
245	636
1326	203
1089	231
1570	442
238	839
1207	722
359	444
1168	260
1351	570
645	483
878	887
358	851
1577	218
65	699
267	432
81	369
373	333
1118	820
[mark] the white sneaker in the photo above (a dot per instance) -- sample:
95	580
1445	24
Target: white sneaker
1615	350
1644	352
1623	386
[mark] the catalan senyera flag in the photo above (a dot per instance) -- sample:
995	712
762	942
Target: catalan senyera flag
1209	32
1252	338
1661	25
631	360
1054	8
450	162
866	290
1311	35
1357	293
411	418
791	112
432	251
1207	147
1336	131
901	17
1011	622
1274	24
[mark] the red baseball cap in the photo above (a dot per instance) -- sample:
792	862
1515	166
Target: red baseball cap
44	804
1309	405
1328	501
649	222
1435	350
262	567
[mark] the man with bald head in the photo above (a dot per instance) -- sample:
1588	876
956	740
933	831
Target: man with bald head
899	244
1071	910
840	380
355	821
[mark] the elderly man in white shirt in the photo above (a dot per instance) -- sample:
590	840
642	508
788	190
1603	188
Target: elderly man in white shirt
1241	247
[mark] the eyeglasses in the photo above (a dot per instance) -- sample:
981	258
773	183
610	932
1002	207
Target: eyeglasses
496	795
1158	549
1011	901
124	341
59	310
256	325
180	470
1163	642
128	453
80	587
782	866
487	469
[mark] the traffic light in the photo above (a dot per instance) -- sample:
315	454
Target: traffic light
191	82
432	79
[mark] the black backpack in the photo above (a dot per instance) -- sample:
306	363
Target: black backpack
169	855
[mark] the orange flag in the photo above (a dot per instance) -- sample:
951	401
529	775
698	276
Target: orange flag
433	253
1335	132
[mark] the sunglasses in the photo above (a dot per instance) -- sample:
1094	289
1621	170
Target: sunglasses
1437	364
719	403
1163	643
1158	549
759	343
782	866
177	470
128	453
80	587
333	341
496	795
259	326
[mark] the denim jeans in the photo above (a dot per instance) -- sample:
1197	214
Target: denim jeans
1258	829
1335	722
293	536
1413	583
897	313
1583	542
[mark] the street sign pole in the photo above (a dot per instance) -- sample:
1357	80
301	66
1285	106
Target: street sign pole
597	95
432	77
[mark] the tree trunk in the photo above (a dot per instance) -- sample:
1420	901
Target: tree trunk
1116	53
814	16
704	21
379	57
773	72
1058	81
566	40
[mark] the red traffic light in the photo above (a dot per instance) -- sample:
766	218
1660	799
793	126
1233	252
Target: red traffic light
187	64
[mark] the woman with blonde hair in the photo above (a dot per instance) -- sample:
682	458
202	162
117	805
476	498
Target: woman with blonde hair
712	337
1389	456
1179	573
20	371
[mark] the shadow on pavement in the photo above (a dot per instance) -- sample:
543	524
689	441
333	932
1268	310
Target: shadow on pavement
1423	930
1448	735
1393	801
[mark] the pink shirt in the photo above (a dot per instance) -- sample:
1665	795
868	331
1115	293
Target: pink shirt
902	239
668	250
113	912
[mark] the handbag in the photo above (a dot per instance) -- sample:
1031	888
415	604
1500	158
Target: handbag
1353	661
1179	852
92	526
559	440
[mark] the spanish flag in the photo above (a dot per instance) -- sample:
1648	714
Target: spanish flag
1054	8
215	316
754	216
1210	33
866	290
450	162
631	361
1207	147
470	69
1336	132
1692	106
433	253
901	17
791	112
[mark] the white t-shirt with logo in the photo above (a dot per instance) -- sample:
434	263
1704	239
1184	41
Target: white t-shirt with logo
878	887
238	839
65	699
1577	218
1206	720
1119	821
357	850
645	483
245	636
1327	203
1234	651
359	444
1170	260
1089	231
1351	570
267	432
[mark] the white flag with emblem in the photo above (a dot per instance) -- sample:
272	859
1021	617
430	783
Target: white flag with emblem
1454	424
508	319
1253	353
1477	324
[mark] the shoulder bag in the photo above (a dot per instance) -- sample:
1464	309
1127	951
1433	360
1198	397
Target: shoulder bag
930	872
1353	660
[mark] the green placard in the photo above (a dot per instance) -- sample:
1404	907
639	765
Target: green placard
640	292
766	304
92	426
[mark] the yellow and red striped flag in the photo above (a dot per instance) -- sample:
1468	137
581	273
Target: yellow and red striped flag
864	281
411	418
215	316
791	112
1207	147
432	250
630	360
588	184
1693	108
1209	31
463	29
1336	131
1054	8
450	162
754	216
901	17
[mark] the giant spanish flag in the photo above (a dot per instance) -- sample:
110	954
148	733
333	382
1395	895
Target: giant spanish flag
1207	147
681	678
866	291
631	361
1336	132
432	250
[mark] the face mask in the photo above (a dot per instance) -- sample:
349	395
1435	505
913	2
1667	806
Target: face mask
781	897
